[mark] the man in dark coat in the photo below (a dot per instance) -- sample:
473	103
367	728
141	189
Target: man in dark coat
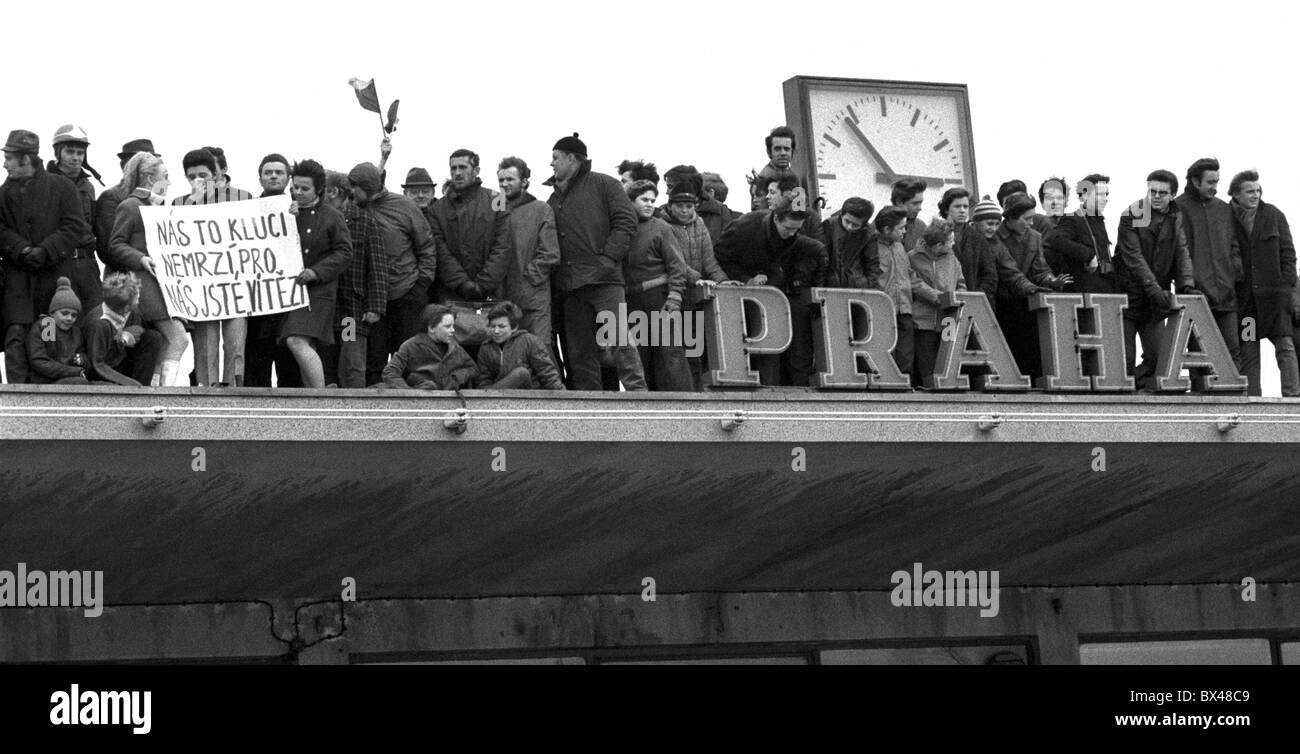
412	264
1025	245
70	144
262	349
1079	244
595	222
535	249
1268	289
1212	242
766	248
41	224
1150	255
471	232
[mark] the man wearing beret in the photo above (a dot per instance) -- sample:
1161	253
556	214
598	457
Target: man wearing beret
595	222
412	262
41	225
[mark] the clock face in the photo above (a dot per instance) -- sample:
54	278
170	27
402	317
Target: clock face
866	139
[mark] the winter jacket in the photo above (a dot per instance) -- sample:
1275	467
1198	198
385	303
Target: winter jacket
1212	242
1072	245
408	243
473	242
1026	250
424	363
696	247
127	248
752	246
1009	277
521	349
363	284
595	222
717	216
935	274
534	252
979	266
42	211
1270	275
1150	257
54	360
104	347
853	257
654	260
896	275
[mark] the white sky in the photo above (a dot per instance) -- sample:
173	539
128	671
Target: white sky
1120	88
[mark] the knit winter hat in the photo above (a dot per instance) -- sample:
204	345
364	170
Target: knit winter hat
571	144
987	209
365	177
64	298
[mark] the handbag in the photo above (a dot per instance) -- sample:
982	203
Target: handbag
471	321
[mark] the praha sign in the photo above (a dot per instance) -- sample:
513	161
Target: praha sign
1081	337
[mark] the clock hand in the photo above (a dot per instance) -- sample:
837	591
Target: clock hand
930	181
862	138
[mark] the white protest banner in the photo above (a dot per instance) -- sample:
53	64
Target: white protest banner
224	260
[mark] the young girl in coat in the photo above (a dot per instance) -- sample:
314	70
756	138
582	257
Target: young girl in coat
938	271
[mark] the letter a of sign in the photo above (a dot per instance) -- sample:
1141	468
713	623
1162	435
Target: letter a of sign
1211	365
992	358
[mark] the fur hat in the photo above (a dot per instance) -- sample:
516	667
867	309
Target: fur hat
987	209
1017	204
64	297
572	144
687	189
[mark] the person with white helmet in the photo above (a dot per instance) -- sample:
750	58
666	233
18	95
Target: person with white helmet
70	143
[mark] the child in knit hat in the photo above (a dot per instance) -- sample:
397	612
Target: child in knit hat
55	348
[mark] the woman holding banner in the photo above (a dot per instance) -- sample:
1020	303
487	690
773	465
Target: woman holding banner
145	180
326	253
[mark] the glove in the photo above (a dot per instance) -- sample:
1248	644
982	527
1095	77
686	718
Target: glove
34	258
674	302
1164	300
471	291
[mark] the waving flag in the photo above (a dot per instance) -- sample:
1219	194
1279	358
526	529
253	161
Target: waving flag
391	126
366	94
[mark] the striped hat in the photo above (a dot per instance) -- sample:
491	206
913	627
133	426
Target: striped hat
987	209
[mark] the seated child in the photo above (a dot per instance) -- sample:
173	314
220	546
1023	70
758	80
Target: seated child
514	358
432	360
118	347
55	352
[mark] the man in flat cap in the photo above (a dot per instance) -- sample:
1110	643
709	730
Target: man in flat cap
41	225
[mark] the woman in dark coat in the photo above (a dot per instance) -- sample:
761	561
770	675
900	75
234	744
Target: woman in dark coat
326	252
145	182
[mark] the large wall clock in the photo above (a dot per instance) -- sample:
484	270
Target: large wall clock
857	136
